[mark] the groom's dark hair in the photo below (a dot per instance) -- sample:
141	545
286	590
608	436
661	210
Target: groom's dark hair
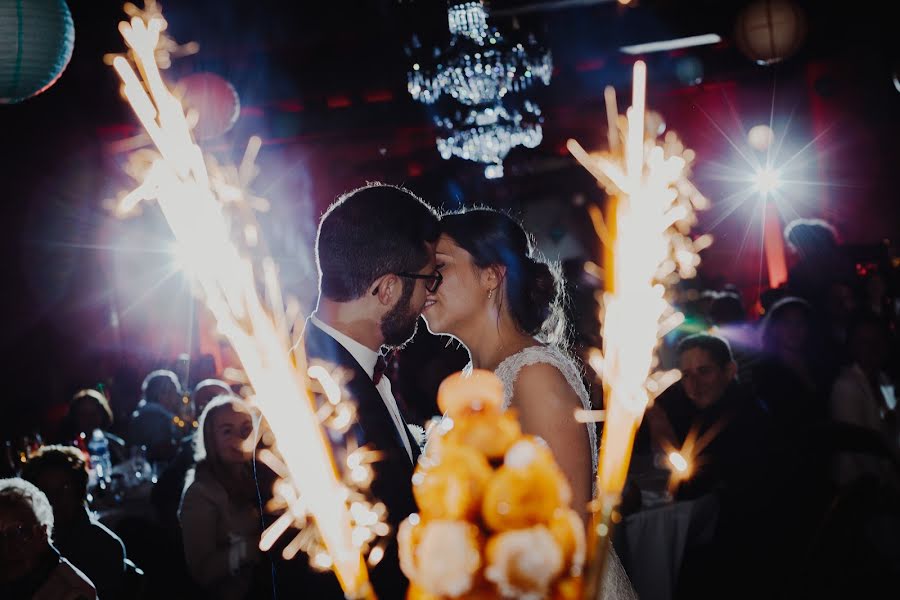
369	232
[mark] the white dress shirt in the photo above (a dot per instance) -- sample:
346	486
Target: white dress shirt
367	358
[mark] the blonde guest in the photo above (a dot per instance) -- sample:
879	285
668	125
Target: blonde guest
219	512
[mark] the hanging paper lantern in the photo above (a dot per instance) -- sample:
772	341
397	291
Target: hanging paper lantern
36	41
760	137
215	101
689	70
769	31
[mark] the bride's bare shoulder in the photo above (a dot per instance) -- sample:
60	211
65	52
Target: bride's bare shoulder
542	383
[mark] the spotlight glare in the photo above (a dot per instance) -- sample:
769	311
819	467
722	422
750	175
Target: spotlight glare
766	180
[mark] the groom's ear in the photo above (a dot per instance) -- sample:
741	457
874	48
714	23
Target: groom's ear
386	289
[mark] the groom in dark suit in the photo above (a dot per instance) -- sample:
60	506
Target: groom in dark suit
375	257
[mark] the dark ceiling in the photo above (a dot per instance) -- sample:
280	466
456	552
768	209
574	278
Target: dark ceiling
324	84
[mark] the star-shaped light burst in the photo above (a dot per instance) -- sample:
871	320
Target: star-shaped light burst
197	196
647	249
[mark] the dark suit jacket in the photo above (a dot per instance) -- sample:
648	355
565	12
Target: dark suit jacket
392	483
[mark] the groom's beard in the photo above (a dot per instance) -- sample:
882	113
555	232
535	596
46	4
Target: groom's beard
399	325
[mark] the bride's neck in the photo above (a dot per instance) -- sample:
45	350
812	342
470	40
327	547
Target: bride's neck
493	340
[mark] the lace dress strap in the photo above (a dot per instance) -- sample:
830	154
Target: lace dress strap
508	371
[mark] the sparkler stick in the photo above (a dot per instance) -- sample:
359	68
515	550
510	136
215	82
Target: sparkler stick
181	184
644	250
612	115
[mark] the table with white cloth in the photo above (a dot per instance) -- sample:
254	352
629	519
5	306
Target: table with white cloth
652	543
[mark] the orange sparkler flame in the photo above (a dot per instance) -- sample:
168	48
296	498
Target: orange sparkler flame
647	247
180	182
685	461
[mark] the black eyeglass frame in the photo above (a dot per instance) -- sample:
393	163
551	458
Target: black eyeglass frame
433	281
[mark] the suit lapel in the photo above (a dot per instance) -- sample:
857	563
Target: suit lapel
375	422
413	444
392	474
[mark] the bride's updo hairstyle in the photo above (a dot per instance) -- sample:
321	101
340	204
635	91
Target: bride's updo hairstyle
534	288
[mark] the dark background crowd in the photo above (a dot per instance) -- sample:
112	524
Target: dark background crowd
786	413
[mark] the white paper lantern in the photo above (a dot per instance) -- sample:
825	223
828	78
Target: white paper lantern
760	137
36	41
769	31
215	101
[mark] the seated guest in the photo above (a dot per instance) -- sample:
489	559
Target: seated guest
205	391
709	405
820	261
166	495
219	510
730	458
789	378
729	321
89	410
30	567
864	395
153	422
60	472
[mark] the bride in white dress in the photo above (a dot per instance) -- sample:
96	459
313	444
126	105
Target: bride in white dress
505	306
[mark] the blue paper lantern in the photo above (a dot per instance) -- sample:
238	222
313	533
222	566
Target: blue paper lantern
689	70
36	41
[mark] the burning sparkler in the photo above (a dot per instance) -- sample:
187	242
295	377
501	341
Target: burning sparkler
646	248
192	195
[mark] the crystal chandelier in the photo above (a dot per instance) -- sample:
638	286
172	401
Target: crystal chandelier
486	135
481	69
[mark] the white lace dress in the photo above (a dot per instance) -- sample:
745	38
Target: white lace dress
616	585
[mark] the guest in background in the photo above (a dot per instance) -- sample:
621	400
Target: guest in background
205	391
729	460
789	378
864	395
729	321
708	403
89	410
820	261
727	309
876	297
166	495
30	567
219	515
153	422
61	474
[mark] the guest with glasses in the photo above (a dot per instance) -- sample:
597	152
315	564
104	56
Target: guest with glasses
30	566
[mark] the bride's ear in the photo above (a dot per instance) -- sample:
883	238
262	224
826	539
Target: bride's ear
492	277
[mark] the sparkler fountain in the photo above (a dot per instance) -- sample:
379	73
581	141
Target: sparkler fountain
193	195
647	247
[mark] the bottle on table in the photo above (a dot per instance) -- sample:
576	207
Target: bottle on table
101	464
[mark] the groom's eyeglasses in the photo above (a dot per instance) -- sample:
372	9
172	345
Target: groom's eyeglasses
432	282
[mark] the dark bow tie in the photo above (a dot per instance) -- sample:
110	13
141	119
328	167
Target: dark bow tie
380	367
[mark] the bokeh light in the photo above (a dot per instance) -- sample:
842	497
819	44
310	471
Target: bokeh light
760	137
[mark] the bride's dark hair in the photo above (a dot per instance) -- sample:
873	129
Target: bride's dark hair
534	287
